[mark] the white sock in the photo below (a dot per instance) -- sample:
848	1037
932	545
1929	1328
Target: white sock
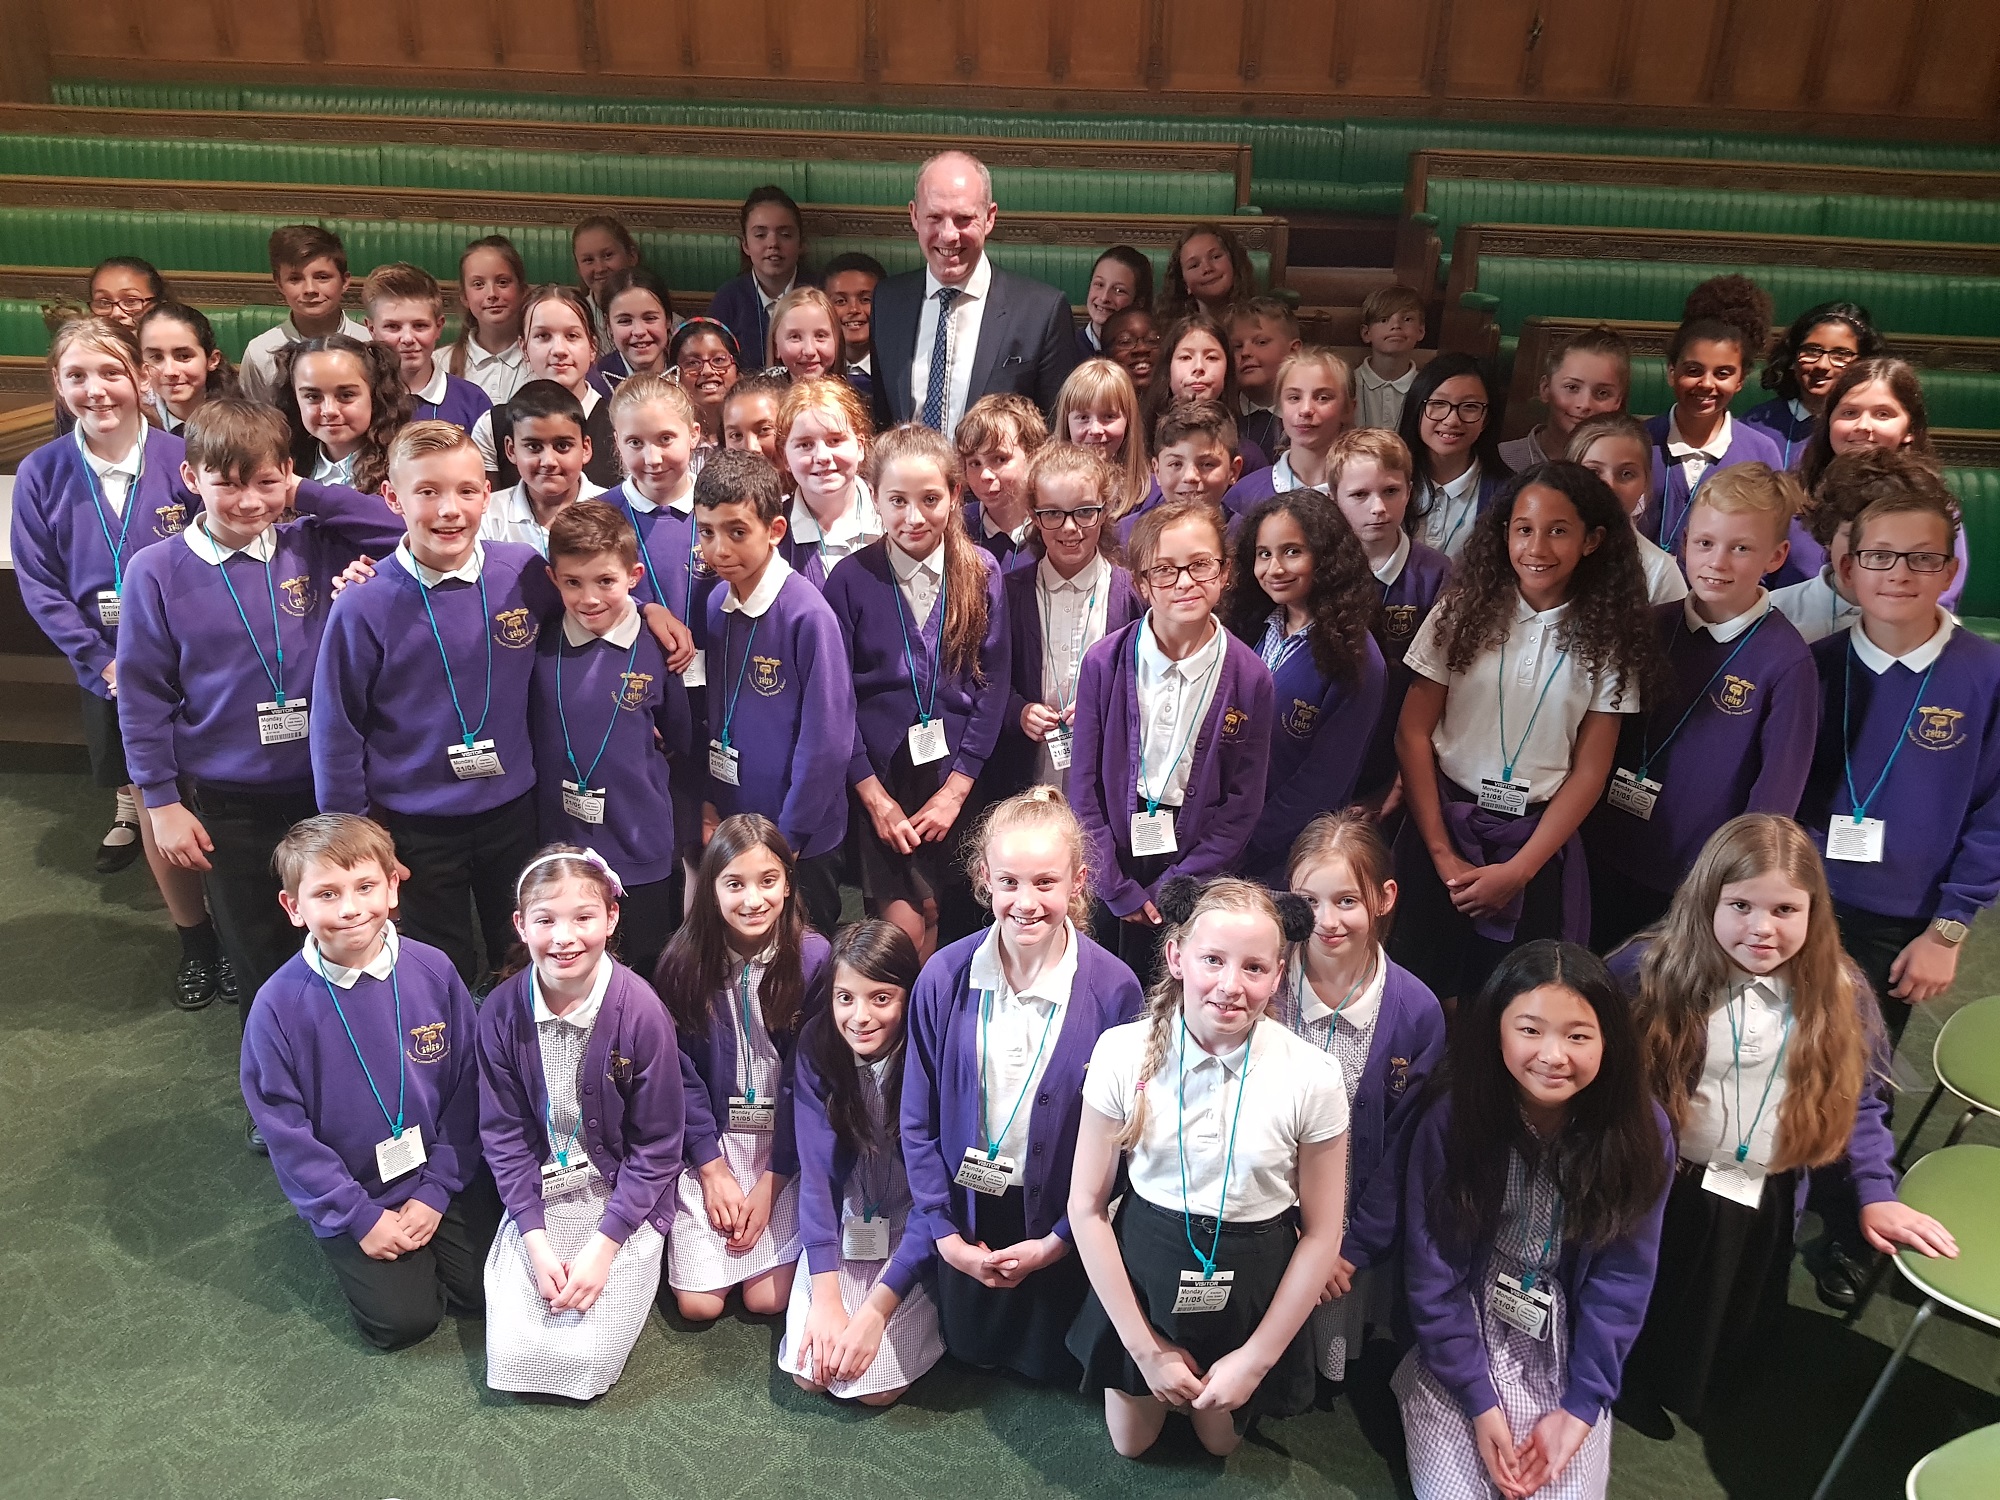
119	836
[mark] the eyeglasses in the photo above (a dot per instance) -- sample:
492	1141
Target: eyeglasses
1813	354
1165	575
1085	516
694	363
104	303
1437	409
1879	560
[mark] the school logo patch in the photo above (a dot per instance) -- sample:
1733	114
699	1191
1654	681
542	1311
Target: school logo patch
633	689
1937	728
767	675
1233	720
1733	697
1399	621
428	1043
620	1070
1299	722
1399	1074
296	596
698	568
516	628
170	518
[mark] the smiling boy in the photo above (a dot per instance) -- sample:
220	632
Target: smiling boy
309	268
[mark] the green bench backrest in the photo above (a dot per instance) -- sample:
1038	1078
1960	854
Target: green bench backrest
1978	492
1953	398
23	331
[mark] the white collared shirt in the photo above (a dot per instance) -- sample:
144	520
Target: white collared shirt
499	375
1284	478
260	548
1665	583
1012	1052
1389	571
1727	630
1916	659
1379	402
331	470
1290	1095
466	572
621	635
1017	536
769	300
381	966
115	476
1723	1104
257	378
1696	462
1075	615
1357	1014
482	430
968	313
764	595
1174	698
920	578
1454	507
584	1016
510	515
1815	606
852	530
862	366
433	392
1467	737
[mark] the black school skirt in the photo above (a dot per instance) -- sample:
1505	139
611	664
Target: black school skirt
1154	1242
1011	1328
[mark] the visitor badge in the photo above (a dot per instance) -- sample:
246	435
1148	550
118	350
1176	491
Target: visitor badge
1058	743
107	607
1199	1293
1509	797
400	1153
281	723
1153	832
746	1115
864	1239
559	1181
927	742
1860	842
585	804
473	761
1524	1308
724	764
991	1175
696	674
1632	793
1738	1181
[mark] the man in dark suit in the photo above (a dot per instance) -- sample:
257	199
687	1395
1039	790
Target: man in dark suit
961	328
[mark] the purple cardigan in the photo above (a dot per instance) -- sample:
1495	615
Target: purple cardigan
631	1099
941	1085
739	306
708	1068
825	1163
1607	1290
1225	790
1666	519
1323	731
1014	758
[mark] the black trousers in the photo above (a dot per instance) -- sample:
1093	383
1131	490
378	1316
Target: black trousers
819	890
457	864
396	1303
1138	944
1435	941
1621	907
647	916
245	827
1874	942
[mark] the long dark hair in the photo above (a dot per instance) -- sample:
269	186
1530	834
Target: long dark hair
1343	597
695	969
388	406
882	953
1904	384
1608	626
1159	392
1609	1162
1781	369
221	380
1485	447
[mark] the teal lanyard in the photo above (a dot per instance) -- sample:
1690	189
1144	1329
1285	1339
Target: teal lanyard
1507	760
1194	722
1646	748
729	709
925	711
549	1113
1207	1262
1027	1084
402	1068
749	1038
1076	639
645	557
1860	805
277	674
469	734
1534	1273
1736	1030
583	777
125	518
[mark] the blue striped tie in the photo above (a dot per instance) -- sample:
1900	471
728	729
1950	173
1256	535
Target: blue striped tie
940	378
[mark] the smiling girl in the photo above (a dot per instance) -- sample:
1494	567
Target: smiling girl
1808	358
1315	392
345	400
492	280
561	343
1122	278
805	335
772	241
1098	408
637	312
1451	425
822	439
1588	376
709	359
183	366
1208	273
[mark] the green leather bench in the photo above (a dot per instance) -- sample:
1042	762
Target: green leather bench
23	331
1978	492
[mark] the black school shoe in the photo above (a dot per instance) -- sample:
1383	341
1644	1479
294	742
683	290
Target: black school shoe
254	1139
225	982
1840	1278
114	855
195	986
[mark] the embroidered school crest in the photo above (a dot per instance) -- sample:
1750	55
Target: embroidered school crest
428	1043
1733	697
1399	621
1937	728
296	597
1233	720
632	689
170	518
1399	1074
698	568
1299	722
767	675
515	627
620	1070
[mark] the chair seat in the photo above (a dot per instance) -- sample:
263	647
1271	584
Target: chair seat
1963	1469
1968	1053
1960	1187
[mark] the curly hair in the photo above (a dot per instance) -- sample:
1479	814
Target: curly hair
1608	626
1344	596
388	405
1729	307
1780	370
1176	301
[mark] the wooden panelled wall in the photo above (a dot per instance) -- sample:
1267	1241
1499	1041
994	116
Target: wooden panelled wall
1909	67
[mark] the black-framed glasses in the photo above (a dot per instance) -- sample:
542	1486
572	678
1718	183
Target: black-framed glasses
1813	354
1165	575
1881	560
130	303
1437	409
694	363
1085	516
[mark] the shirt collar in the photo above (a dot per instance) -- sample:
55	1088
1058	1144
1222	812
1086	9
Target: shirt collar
1192	666
1391	570
621	635
858	520
1774	990
381	966
331	470
1052	986
1918	659
862	366
466	572
1367	376
1359	1011
477	358
770	301
974	289
1190	1056
126	467
1523	614
1680	450
906	567
1466	485
434	392
1730	629
1017	536
1087	577
585	1015
762	597
1799	412
209	550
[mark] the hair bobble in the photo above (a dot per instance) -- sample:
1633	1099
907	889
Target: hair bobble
589	856
1295	917
1177	898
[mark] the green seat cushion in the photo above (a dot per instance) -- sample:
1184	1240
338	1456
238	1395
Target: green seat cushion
1875	217
1963	1469
1978	492
1461	201
24	333
1959	1186
1968	1052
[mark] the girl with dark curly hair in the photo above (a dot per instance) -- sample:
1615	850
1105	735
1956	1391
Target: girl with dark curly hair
1209	272
345	399
1538	645
1300	592
1804	364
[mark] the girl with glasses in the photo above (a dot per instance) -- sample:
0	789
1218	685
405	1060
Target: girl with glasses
1805	362
1451	424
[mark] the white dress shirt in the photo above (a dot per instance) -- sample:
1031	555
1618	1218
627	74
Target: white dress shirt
1815	606
620	635
921	580
852	530
499	375
1725	1102
968	312
260	548
466	572
1664	582
1013	1052
764	595
115	476
1727	630
381	966
1174	698
1379	402
1391	569
1696	462
1918	659
584	1016
1454	507
510	515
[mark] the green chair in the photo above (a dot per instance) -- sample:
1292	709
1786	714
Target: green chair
1963	1469
1960	1187
1967	1060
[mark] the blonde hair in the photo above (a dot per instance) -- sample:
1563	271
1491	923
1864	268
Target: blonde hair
97	336
1105	382
829	396
1039	807
636	391
402	282
1754	489
1685	975
342	840
1610	424
1317	354
785	306
416	440
1377	445
1353	837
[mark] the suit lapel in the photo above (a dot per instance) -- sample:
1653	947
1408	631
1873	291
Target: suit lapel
992	338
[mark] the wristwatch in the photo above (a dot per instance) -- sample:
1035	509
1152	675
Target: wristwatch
1948	932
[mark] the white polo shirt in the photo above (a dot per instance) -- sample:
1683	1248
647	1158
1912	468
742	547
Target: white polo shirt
1018	1035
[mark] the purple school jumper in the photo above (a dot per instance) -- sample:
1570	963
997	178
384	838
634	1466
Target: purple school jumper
382	713
1406	604
708	1067
677	575
311	1100
738	304
1015	754
864	597
1225	789
463	405
1941	800
630	1097
825	1164
63	540
598	733
1751	708
1666	520
1323	729
941	1085
780	684
1606	1289
1010	554
1791	432
190	674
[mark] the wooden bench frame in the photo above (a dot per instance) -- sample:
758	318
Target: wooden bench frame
708	141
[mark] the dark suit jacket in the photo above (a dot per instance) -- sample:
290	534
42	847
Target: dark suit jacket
1027	343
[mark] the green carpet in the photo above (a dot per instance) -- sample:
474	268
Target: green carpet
171	1331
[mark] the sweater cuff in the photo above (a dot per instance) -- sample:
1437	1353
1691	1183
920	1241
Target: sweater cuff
161	793
1479	1397
361	1221
899	1278
433	1195
822	1256
1582	1407
615	1227
532	1216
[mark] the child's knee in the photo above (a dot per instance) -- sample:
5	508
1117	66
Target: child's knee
767	1296
699	1307
398	1328
807	1386
883	1398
